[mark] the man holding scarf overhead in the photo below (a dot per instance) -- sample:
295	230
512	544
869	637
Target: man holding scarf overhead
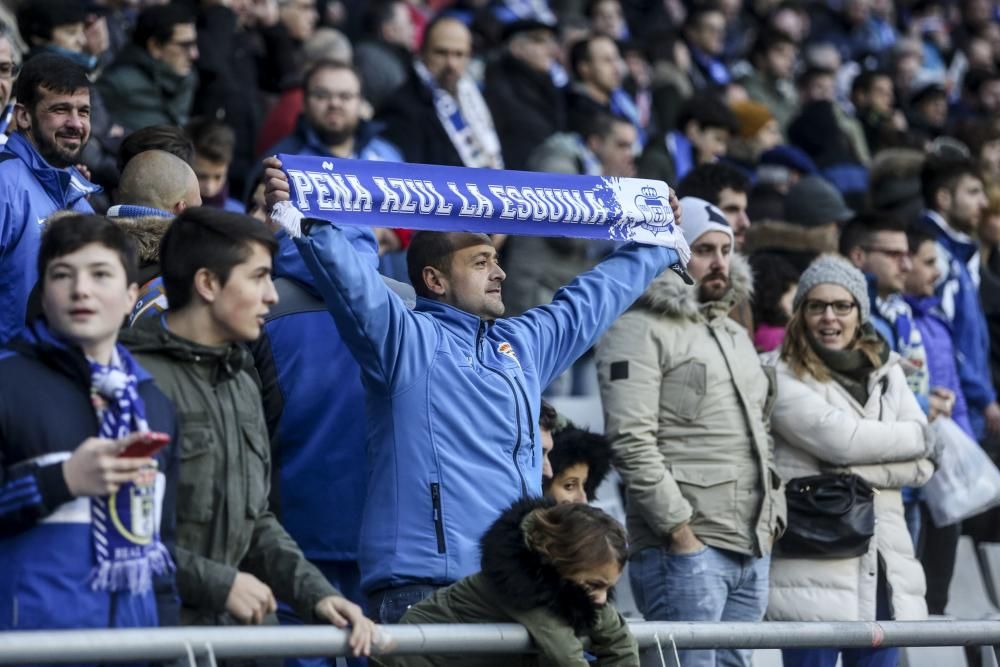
453	390
83	516
438	116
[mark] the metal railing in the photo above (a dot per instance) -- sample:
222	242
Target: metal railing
203	645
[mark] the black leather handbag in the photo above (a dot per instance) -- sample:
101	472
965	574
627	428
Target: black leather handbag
831	515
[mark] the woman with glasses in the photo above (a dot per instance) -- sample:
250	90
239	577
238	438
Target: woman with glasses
843	405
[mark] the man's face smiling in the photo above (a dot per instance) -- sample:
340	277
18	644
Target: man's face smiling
58	126
473	283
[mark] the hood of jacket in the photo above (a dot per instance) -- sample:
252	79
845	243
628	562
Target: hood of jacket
366	132
957	243
146	231
789	237
65	186
37	340
151	336
669	295
524	580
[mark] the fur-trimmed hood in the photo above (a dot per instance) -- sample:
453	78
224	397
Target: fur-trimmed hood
146	231
521	576
669	295
788	237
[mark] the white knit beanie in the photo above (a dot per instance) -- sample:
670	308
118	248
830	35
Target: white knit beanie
700	217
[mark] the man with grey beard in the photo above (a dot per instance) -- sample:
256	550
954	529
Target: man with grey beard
37	176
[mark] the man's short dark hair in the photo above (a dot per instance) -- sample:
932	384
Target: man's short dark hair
213	140
699	11
579	53
976	78
707	181
601	124
859	230
336	65
376	14
864	81
433	249
811	74
168	138
54	73
548	418
768	39
707	110
427	249
433	24
207	238
36	19
944	172
157	23
916	237
65	235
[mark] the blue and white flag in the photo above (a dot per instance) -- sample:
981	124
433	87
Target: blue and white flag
458	199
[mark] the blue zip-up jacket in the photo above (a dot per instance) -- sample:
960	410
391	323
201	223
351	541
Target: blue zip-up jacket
303	140
46	540
452	401
30	191
315	408
960	304
936	334
892	318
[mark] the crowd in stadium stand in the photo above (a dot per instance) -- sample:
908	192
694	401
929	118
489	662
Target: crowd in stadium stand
212	416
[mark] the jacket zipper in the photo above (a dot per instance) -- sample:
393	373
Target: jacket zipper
765	473
531	420
517	405
438	519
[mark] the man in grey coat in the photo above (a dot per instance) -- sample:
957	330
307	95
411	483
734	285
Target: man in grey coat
686	405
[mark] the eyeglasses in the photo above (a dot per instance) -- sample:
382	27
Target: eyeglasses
891	253
187	45
329	95
816	307
9	70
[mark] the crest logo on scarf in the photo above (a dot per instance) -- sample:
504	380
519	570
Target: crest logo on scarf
135	505
654	208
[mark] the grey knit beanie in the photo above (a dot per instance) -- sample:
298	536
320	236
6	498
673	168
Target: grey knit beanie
834	270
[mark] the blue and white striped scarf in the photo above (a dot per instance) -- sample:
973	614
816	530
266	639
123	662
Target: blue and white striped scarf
124	525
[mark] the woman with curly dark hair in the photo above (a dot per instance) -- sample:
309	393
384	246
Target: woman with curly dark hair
551	568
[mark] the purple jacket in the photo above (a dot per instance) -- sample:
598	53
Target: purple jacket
938	343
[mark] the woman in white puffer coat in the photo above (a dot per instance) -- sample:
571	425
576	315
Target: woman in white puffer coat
843	405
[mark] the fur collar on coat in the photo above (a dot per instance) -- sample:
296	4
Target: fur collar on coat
523	579
668	295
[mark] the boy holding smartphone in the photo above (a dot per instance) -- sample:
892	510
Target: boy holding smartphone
234	559
84	529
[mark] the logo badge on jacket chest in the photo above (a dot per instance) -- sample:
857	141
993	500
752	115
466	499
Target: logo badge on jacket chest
507	350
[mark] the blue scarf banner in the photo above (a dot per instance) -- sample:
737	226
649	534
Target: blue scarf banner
490	201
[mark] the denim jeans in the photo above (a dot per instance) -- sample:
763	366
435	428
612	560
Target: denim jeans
388	606
346	578
708	585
